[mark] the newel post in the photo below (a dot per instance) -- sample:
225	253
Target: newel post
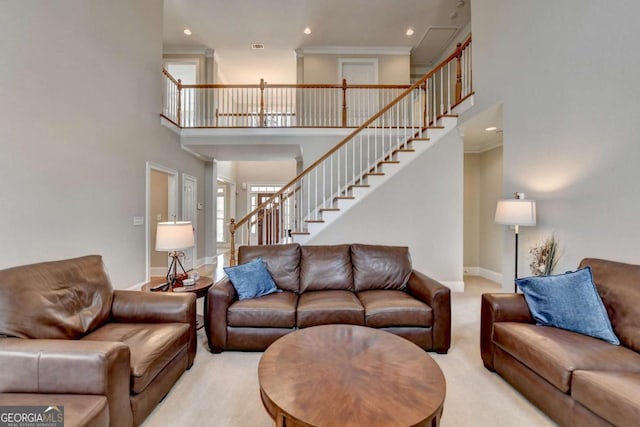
261	102
179	115
232	242
344	103
458	73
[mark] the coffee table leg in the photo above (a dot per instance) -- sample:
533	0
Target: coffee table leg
280	422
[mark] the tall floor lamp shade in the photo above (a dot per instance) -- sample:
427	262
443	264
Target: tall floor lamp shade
517	212
174	237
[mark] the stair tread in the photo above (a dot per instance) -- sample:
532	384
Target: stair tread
419	139
314	220
374	173
405	150
329	209
435	127
296	233
390	161
344	198
359	185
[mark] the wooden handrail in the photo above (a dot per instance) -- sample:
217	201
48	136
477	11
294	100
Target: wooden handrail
170	77
346	139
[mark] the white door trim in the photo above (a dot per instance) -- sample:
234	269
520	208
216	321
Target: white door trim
187	177
172	202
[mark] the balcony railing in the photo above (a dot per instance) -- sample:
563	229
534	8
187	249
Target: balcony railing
273	105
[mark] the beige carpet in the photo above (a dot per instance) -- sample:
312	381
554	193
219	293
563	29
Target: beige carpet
222	389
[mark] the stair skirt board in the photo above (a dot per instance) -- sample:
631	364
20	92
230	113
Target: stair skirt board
374	180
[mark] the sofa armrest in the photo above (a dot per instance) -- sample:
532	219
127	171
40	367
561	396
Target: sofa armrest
156	307
499	308
221	295
69	367
438	297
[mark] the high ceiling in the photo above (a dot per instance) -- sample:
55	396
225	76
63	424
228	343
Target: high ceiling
231	26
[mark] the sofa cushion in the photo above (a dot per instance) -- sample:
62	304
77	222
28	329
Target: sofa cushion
251	280
152	346
325	268
79	409
568	301
619	287
555	353
56	300
270	311
394	308
329	307
380	267
611	395
282	261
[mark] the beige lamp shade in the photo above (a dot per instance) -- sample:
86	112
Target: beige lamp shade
516	212
174	236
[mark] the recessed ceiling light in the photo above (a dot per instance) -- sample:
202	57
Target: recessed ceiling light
491	128
307	30
409	32
187	31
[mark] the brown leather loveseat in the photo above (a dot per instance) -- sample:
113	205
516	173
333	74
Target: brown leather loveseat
354	284
576	379
108	356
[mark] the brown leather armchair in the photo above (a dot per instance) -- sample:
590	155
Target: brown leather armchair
67	338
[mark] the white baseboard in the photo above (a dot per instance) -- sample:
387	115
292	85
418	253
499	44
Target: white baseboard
136	287
210	260
455	286
484	272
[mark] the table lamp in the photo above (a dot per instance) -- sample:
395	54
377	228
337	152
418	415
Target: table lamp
517	212
173	237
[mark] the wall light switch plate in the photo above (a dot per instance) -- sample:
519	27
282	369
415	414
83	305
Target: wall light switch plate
138	220
199	206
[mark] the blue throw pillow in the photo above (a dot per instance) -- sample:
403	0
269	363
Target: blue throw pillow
569	301
251	280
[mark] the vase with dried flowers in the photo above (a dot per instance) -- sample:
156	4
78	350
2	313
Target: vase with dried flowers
544	257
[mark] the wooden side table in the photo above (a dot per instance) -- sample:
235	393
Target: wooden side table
200	288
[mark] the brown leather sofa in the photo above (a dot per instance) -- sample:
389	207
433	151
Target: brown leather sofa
108	356
354	284
576	379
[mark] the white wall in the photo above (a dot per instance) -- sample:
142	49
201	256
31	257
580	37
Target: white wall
420	207
566	73
79	119
324	68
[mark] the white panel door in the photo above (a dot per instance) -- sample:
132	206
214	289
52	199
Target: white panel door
361	103
190	213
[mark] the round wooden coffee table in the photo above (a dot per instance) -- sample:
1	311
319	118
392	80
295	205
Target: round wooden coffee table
337	375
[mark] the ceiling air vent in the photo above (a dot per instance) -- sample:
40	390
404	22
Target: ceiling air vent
257	46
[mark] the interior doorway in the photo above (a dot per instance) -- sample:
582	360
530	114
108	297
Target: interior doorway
161	206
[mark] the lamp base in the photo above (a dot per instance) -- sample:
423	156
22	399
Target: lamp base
172	274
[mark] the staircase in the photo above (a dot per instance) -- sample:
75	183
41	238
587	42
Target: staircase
369	156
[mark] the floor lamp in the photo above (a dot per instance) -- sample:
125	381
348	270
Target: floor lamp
517	212
174	237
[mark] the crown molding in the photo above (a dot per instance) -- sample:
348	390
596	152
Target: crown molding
355	50
185	50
